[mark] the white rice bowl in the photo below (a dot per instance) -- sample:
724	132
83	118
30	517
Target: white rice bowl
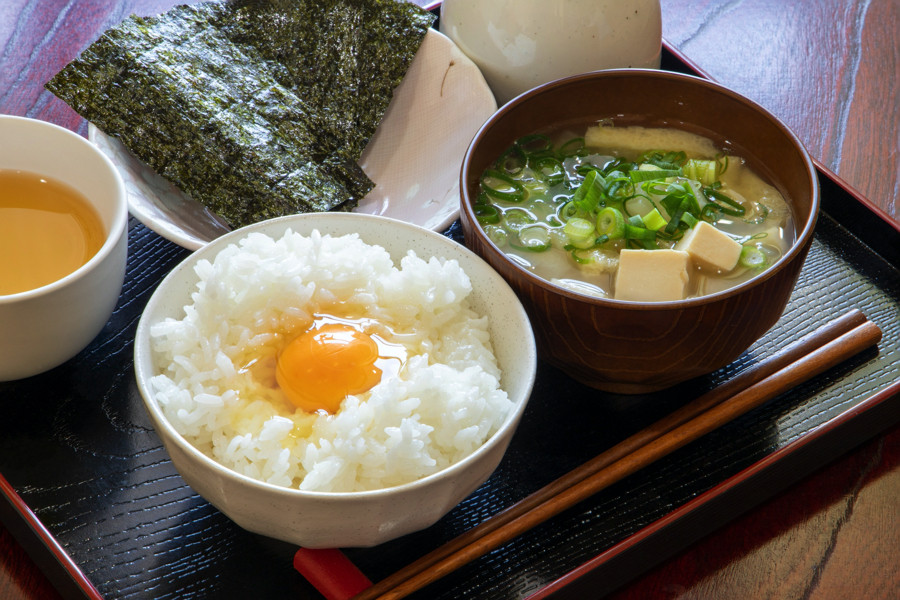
446	403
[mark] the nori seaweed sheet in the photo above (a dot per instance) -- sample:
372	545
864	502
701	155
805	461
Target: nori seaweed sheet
362	39
256	108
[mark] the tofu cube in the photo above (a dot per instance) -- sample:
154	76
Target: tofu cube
652	275
710	249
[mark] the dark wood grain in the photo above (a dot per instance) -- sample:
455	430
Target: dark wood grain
19	576
834	535
830	70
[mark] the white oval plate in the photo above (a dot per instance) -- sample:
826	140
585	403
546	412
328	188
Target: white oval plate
414	158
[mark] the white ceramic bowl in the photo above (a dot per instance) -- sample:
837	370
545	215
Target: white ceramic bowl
520	44
44	327
320	519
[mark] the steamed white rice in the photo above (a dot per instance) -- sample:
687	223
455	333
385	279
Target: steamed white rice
216	382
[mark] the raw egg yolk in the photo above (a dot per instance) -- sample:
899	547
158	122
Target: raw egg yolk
321	366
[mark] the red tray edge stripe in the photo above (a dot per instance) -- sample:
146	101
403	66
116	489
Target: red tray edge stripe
46	538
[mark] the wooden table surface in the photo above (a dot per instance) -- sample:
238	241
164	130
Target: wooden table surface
831	71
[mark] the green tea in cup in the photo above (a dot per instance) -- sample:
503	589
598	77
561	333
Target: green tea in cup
47	230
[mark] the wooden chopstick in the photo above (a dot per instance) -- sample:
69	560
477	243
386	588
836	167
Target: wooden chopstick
816	352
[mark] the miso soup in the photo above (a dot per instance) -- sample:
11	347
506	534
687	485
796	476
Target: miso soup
633	213
47	231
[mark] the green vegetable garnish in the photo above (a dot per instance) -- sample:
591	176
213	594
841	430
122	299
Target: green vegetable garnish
571	197
725	204
636	229
534	238
485	213
535	145
580	232
752	258
502	186
638	176
664	159
550	170
654	221
704	171
588	195
611	223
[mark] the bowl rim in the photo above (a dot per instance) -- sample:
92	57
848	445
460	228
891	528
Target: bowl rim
797	248
143	373
119	220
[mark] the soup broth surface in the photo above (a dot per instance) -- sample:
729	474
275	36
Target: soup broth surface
47	231
529	195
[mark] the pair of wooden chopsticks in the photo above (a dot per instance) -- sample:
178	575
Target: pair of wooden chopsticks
796	363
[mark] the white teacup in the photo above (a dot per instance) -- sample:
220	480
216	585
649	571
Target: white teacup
43	327
520	44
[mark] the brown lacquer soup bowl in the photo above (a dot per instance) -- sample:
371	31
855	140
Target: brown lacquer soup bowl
626	346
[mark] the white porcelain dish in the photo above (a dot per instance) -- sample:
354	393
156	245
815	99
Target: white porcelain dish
320	519
414	158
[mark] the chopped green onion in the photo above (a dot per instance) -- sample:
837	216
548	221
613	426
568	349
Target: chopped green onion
502	187
550	170
704	171
722	160
535	189
689	220
682	208
645	244
663	159
672	204
762	213
536	144
618	164
611	223
696	193
517	218
584	168
485	213
638	233
497	234
636	230
569	210
588	195
732	207
593	195
639	175
710	212
581	260
579	232
534	238
673	237
752	258
513	161
619	187
654	221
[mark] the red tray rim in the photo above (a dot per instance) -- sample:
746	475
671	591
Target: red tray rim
50	545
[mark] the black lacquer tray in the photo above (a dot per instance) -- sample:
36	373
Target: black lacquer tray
88	489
